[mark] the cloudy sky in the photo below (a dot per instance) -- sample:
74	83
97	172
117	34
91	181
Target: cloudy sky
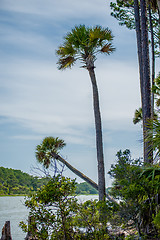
38	100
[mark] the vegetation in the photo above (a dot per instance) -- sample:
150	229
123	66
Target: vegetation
137	186
13	182
56	213
16	182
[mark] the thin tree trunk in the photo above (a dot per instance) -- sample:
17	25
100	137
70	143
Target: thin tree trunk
153	59
139	45
80	174
99	141
146	108
140	60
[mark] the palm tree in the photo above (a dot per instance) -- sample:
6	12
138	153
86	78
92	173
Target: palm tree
85	43
48	151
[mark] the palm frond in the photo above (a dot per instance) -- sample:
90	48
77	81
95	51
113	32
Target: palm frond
79	36
101	34
66	62
107	48
137	116
153	135
151	172
66	50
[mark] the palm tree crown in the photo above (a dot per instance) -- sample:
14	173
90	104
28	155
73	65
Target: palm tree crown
46	148
84	44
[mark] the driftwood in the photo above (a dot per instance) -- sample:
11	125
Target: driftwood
6	231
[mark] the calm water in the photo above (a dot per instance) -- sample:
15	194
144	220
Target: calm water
12	209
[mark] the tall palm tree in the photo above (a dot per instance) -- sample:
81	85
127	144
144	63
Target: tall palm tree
84	43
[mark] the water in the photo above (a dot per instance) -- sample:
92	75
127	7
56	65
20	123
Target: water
13	209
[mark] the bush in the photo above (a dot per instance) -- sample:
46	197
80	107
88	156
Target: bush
56	214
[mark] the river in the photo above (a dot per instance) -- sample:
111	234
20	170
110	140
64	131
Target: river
13	209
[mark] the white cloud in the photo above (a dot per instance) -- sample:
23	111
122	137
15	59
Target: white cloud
57	9
50	101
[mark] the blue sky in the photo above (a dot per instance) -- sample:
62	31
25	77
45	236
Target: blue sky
38	100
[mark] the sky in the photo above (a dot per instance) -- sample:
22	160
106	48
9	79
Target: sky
38	100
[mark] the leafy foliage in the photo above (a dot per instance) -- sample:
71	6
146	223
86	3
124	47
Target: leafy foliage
123	11
137	187
56	213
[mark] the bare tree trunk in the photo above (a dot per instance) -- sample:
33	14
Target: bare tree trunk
144	70
146	108
140	60
99	141
153	60
139	45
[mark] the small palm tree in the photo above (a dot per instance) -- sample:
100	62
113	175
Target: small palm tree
84	43
48	151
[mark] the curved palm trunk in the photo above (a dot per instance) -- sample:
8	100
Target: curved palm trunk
80	174
99	141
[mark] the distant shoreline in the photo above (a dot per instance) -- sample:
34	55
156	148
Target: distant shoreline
20	195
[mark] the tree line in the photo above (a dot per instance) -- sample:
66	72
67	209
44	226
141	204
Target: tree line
16	182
